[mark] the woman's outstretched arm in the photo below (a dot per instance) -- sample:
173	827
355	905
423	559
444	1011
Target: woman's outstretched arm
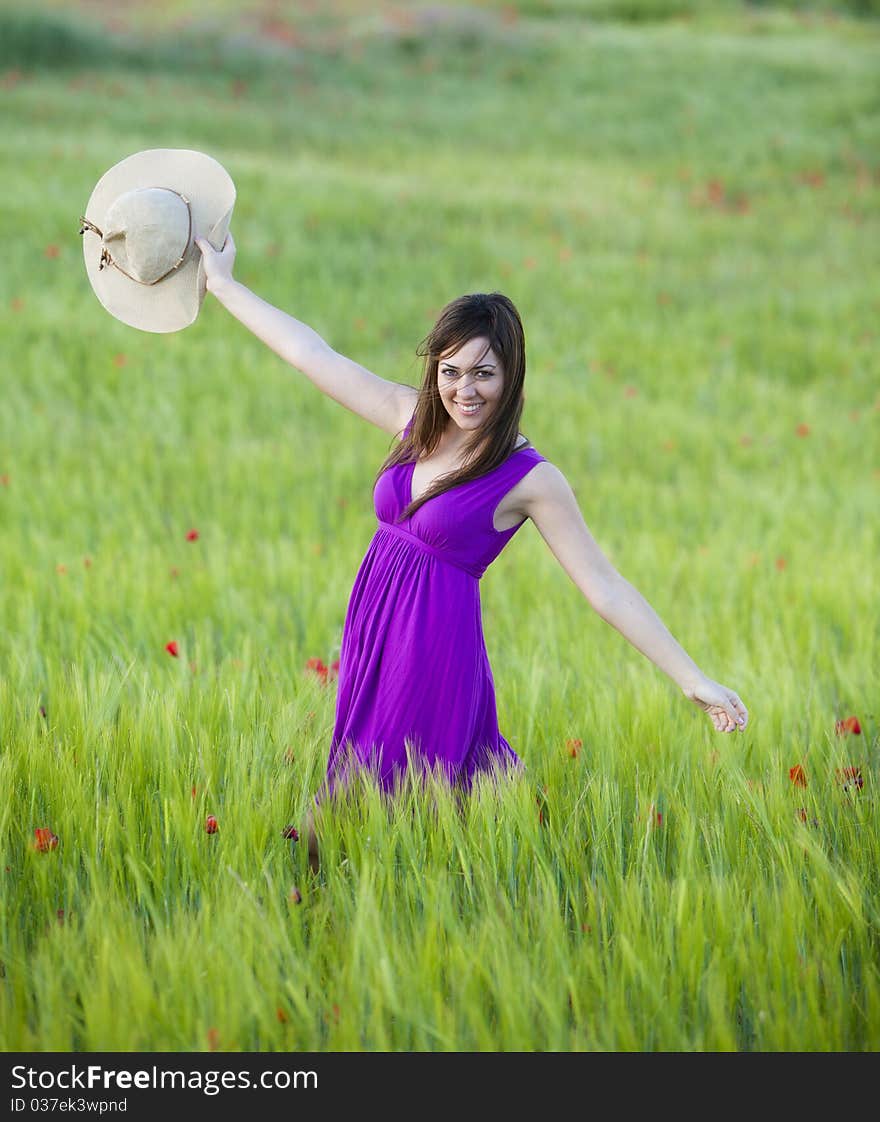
551	504
388	405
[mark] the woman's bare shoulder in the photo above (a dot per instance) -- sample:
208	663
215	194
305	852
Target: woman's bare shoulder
544	483
545	474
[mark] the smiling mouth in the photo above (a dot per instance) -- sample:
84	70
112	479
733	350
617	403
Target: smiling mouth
472	408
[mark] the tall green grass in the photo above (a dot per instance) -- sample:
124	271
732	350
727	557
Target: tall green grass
686	216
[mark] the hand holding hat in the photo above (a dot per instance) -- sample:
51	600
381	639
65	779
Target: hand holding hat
141	230
217	263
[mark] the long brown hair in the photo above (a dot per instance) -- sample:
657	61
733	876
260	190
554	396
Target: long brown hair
491	316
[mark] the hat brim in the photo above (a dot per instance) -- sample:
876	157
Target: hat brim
174	302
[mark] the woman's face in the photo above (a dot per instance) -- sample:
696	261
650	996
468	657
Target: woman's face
471	381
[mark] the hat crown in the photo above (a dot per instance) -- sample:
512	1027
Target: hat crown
147	232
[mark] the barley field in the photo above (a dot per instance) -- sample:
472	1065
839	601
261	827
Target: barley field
683	201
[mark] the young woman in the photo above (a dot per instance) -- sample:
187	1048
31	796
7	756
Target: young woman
415	687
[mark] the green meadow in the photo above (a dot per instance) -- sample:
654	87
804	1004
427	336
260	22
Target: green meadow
683	201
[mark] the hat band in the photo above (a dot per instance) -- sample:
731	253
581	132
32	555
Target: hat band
106	258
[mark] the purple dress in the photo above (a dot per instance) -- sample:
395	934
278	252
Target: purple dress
414	677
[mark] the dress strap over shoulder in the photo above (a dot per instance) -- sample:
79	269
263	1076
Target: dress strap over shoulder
499	482
515	467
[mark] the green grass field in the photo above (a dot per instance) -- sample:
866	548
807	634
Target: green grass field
686	212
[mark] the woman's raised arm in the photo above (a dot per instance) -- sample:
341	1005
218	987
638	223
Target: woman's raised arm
547	498
388	405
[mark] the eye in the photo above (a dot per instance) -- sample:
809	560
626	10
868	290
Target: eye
447	373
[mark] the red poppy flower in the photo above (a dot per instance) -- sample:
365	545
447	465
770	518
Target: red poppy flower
283	32
848	724
172	648
715	192
192	535
573	744
291	833
325	673
44	839
281	1015
295	896
850	778
803	429
51	250
797	775
211	824
213	1039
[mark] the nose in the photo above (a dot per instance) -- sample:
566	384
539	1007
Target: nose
466	388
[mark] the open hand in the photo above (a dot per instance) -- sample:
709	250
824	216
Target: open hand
722	704
218	263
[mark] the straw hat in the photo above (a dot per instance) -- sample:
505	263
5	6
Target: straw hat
139	231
